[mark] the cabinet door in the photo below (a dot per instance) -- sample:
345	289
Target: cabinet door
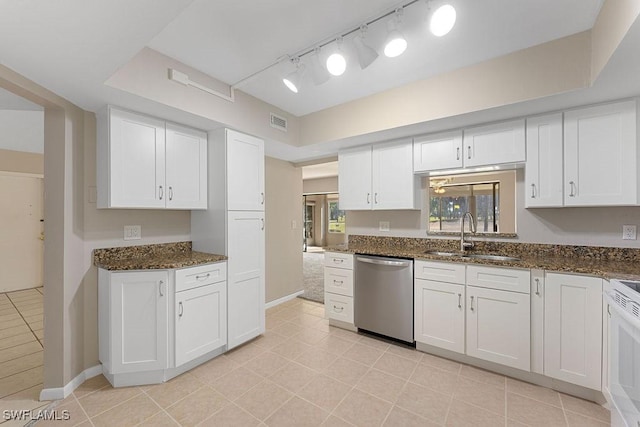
394	184
437	152
201	321
245	172
186	168
439	314
245	269
139	321
600	149
544	168
498	327
573	329
136	161
354	179
537	321
495	144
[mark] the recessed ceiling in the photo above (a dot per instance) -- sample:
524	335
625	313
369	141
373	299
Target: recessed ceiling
231	40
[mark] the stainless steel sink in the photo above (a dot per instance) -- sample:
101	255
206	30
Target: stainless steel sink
487	257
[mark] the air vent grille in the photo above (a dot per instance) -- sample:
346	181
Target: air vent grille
635	310
278	122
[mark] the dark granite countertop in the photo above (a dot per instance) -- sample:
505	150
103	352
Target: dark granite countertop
608	263
152	257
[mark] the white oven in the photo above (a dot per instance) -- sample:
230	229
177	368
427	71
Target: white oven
624	357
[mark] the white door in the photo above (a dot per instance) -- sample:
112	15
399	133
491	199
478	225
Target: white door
544	168
137	161
600	149
495	144
573	329
245	172
393	182
246	276
21	247
354	179
439	314
201	321
186	168
139	303
437	152
498	327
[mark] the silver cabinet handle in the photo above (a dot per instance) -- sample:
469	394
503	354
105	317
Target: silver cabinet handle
457	153
262	219
368	198
537	286
180	309
160	287
459	300
335	308
170	193
572	186
469	152
338	282
262	194
160	192
338	260
533	191
375	198
471	307
204	276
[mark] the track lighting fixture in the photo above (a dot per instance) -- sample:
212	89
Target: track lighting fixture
366	54
396	44
319	73
336	62
293	80
442	20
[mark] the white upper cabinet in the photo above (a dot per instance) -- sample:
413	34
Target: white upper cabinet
494	144
437	152
379	177
544	167
186	168
245	172
601	155
144	163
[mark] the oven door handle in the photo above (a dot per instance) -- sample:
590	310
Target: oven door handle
633	321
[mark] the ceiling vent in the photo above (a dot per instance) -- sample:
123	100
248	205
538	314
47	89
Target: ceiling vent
278	122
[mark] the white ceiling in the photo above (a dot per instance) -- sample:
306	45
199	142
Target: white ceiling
230	40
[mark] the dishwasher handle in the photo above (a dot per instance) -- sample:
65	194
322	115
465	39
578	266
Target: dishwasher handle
384	262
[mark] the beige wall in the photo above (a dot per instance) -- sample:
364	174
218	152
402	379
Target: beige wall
17	161
283	188
320	185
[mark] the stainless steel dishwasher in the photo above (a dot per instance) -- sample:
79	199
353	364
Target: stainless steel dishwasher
383	296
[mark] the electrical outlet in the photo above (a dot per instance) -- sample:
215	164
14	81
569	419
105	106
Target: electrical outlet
132	232
628	232
384	225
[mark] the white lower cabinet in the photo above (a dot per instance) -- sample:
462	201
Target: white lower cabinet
338	288
439	314
573	329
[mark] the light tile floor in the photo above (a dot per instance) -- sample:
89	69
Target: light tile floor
303	372
21	339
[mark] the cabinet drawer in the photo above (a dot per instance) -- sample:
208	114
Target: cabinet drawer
338	281
193	277
339	260
506	279
447	272
339	307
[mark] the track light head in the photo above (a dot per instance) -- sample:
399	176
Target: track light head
442	20
293	80
319	73
396	44
366	54
336	62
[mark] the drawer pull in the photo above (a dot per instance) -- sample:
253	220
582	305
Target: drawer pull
459	300
472	309
537	286
338	309
338	261
203	276
338	282
160	287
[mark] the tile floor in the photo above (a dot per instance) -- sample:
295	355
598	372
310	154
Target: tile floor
21	339
303	372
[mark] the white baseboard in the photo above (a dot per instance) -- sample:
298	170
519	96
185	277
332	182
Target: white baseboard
62	392
283	299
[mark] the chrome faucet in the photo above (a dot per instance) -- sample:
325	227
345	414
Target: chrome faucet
467	244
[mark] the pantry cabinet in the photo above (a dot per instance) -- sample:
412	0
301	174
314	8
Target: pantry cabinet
601	155
245	172
573	329
544	167
146	163
378	177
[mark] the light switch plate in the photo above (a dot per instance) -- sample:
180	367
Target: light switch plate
384	225
132	232
628	232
